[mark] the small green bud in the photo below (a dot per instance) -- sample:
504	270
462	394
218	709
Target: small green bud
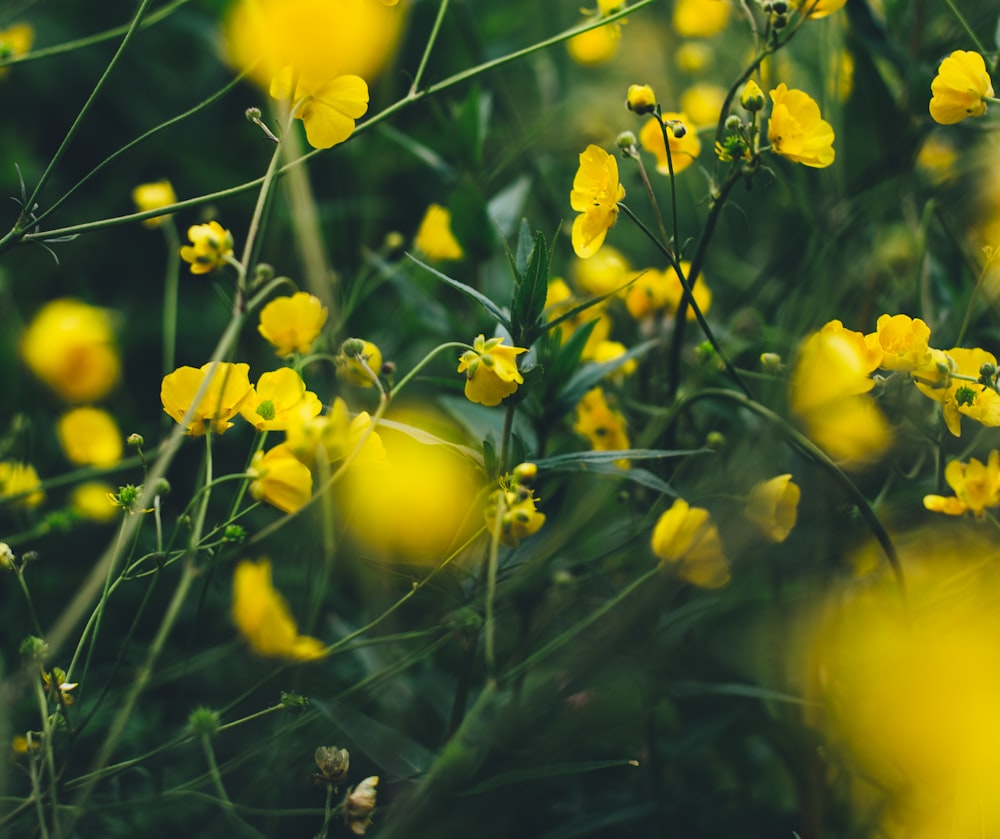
770	361
678	129
34	648
715	440
625	141
135	441
234	533
294	702
733	123
262	273
203	722
352	347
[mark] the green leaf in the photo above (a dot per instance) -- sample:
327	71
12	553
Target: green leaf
591	375
530	294
468	291
429	439
524	246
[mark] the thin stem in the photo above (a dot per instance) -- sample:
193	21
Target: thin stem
965	25
19	573
633	153
170	287
132	29
673	181
438	20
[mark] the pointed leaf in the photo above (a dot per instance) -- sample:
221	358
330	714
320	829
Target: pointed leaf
468	291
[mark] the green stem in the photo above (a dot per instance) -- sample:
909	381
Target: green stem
661	226
132	29
170	287
47	746
19	573
675	240
965	25
220	789
432	38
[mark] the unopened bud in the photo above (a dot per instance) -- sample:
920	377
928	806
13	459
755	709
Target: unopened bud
752	97
640	99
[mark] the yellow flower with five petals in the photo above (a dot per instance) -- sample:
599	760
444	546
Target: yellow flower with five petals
490	369
595	195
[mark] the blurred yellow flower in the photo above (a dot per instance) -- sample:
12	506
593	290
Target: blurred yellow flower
961	88
976	486
279	398
603	426
686	540
90	501
675	291
227	390
490	369
291	324
816	9
350	368
90	437
518	520
796	129
609	351
280	478
17	478
69	346
595	195
320	39
434	238
153	196
937	158
694	56
903	341
700	18
210	248
604	272
595	46
328	108
959	396
333	436
15	41
703	103
648	294
684	150
263	618
773	507
559	299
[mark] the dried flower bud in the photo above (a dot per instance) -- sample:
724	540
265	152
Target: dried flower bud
333	764
359	804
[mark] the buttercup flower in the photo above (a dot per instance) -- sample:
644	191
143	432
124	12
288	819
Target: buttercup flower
228	389
20	479
327	108
773	507
702	103
961	88
609	351
518	520
700	18
90	501
684	149
595	46
90	437
490	369
15	41
349	367
69	346
640	98
153	196
686	540
752	97
796	129
434	238
595	195
959	396
292	324
280	478
816	9
604	272
603	426
279	398
263	618
976	486
334	436
903	341
211	246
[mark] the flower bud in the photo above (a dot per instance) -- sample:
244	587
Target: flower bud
525	473
678	129
7	558
733	123
625	141
752	97
333	764
135	441
203	722
640	99
770	362
359	804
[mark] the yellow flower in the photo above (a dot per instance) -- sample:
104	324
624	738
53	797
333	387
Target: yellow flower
686	539
153	196
279	398
604	272
640	98
350	368
21	745
490	369
960	397
559	300
976	486
700	18
609	351
69	346
773	507
519	518
648	294
694	57
434	237
595	46
816	9
90	437
961	88
683	150
210	248
55	683
280	478
603	426
675	291
937	159
263	618
796	129
228	389
89	500
703	103
595	195
20	479
292	324
903	341
334	436
327	108
321	39
15	41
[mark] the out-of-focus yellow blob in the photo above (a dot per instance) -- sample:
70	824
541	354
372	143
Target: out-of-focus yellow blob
912	691
421	505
